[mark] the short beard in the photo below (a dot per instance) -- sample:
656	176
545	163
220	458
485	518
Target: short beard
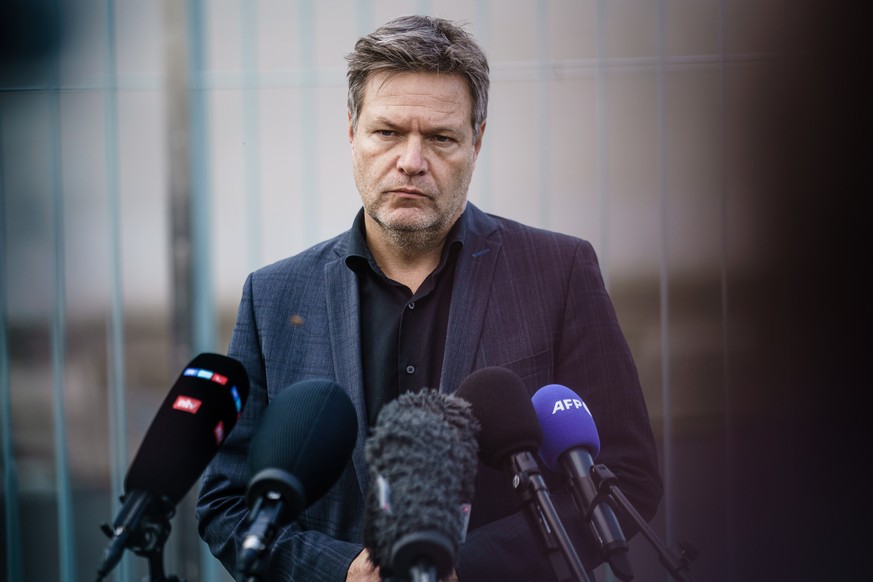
411	240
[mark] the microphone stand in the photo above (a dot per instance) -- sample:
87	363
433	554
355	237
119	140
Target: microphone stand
149	538
253	556
422	556
542	517
423	572
675	560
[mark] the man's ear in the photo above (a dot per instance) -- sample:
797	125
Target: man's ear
351	129
478	145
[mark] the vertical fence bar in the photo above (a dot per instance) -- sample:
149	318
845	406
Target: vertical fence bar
602	121
66	538
117	421
544	182
484	161
14	571
178	144
602	129
364	16
251	133
730	510
664	279
203	322
424	7
202	312
309	132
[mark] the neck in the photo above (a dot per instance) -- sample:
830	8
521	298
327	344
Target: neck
405	259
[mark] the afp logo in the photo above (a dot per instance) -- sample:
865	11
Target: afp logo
569	404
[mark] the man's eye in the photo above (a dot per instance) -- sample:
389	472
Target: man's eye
385	132
441	139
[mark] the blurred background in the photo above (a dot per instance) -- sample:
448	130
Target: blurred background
714	152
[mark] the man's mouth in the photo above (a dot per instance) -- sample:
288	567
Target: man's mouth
408	193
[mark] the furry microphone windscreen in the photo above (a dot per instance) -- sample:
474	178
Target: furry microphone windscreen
422	463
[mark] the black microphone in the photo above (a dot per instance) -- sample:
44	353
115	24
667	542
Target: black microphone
509	436
422	465
303	442
570	442
193	421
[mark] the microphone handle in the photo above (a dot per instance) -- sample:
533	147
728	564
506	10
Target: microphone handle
260	534
596	510
543	518
423	572
127	524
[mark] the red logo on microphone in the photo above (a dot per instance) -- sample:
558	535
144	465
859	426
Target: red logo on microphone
187	404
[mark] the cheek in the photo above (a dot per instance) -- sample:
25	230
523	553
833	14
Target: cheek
362	154
366	170
457	170
369	155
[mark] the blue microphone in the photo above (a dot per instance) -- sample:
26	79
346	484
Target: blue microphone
570	444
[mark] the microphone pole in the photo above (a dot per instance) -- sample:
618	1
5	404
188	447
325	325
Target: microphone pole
542	516
675	560
146	539
265	514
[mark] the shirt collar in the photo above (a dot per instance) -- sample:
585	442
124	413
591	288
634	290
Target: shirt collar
359	254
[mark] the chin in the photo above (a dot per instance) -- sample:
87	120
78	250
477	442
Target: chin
410	219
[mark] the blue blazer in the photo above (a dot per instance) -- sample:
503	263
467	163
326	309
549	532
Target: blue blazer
526	299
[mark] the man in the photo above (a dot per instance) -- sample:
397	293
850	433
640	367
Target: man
424	289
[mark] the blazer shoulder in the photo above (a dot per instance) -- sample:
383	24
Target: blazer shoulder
305	262
517	237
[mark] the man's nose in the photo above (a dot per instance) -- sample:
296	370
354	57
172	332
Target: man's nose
412	159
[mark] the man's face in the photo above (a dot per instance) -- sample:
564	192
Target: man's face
413	152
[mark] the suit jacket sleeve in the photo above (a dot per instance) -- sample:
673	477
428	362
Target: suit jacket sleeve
221	508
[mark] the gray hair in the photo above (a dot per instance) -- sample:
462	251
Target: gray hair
420	44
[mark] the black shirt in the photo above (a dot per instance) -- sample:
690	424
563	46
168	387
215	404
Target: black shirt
403	335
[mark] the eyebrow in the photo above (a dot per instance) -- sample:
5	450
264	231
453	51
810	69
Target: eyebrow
437	130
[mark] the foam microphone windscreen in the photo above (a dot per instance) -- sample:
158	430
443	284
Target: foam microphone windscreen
503	407
422	463
192	423
308	431
566	423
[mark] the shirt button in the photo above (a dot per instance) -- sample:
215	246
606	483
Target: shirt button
410	369
411	305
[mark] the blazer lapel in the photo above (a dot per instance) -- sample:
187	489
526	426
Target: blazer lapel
343	313
473	278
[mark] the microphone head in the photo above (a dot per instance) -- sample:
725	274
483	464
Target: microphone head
503	407
422	464
193	421
302	443
566	422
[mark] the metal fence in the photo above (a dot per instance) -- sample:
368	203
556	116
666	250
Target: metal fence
153	153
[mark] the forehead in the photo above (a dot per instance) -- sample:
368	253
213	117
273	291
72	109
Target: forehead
426	96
